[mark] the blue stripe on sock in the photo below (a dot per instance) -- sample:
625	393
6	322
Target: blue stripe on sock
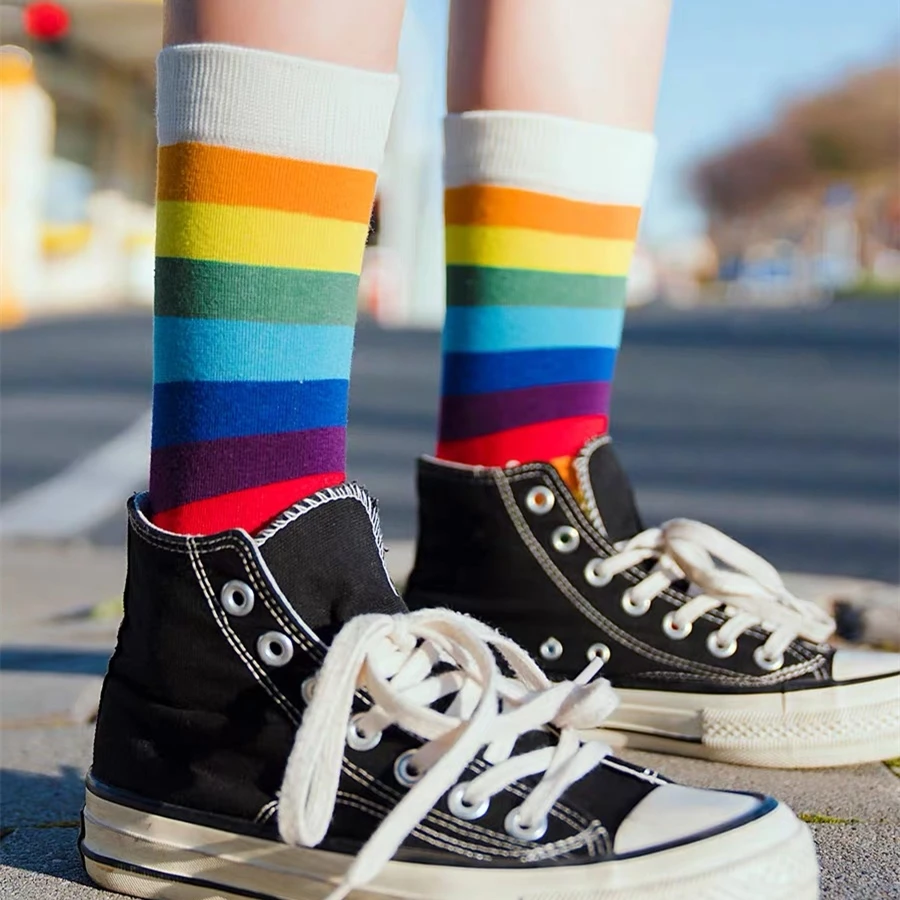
484	373
491	329
190	411
226	350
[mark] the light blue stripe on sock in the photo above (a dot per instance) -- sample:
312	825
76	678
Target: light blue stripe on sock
493	329
225	350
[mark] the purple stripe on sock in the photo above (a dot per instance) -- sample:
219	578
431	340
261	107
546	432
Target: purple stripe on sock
475	415
188	472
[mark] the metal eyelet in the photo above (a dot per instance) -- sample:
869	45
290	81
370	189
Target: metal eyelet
405	769
236	598
551	649
764	661
275	648
634	607
594	574
358	740
540	500
456	803
673	630
308	689
565	539
514	827
600	650
717	649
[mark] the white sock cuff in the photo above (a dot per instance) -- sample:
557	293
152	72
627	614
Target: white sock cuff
273	103
566	157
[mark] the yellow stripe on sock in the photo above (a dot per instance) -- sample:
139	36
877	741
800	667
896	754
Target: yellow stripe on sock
524	248
258	237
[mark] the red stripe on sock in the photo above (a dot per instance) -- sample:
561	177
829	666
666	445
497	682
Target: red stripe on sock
250	509
543	441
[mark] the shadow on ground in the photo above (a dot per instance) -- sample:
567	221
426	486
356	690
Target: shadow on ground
40	822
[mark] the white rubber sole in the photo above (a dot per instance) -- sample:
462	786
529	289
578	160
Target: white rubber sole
833	726
144	855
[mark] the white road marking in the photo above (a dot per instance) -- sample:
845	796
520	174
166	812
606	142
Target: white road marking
84	494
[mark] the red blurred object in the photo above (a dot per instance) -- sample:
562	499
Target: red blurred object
45	21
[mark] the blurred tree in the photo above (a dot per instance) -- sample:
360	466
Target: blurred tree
848	133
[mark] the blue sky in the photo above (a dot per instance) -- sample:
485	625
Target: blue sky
730	65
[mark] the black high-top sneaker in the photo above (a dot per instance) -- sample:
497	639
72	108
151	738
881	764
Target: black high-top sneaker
276	726
710	653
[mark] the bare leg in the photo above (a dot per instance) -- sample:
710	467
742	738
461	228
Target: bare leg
549	153
593	60
347	32
272	122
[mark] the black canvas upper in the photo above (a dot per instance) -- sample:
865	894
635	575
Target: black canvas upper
608	492
195	724
482	550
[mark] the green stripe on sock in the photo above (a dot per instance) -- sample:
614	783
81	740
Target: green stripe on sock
204	289
488	286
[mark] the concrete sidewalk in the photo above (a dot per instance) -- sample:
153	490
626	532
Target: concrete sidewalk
59	621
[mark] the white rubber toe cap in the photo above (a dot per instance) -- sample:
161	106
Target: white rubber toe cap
677	813
850	665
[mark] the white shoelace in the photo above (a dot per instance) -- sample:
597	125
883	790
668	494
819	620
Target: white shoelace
392	658
748	587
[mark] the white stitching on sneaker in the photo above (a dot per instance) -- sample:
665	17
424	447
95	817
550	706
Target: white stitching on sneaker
592	835
445	821
489	839
593	615
581	463
392	658
596	541
685	550
392	797
810	653
249	660
422	833
635	575
266	811
587	837
566	814
346	490
599	542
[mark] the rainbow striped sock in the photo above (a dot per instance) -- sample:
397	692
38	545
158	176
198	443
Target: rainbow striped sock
541	218
267	168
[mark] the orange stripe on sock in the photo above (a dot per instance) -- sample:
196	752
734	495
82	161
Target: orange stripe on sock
565	465
250	509
543	441
206	174
485	204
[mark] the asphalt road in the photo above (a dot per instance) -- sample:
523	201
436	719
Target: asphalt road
779	426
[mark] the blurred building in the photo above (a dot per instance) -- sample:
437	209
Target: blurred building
96	166
99	75
89	64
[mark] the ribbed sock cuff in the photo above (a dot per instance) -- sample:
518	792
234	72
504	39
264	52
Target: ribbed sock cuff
532	151
273	103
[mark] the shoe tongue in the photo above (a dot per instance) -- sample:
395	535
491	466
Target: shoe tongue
607	493
326	555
